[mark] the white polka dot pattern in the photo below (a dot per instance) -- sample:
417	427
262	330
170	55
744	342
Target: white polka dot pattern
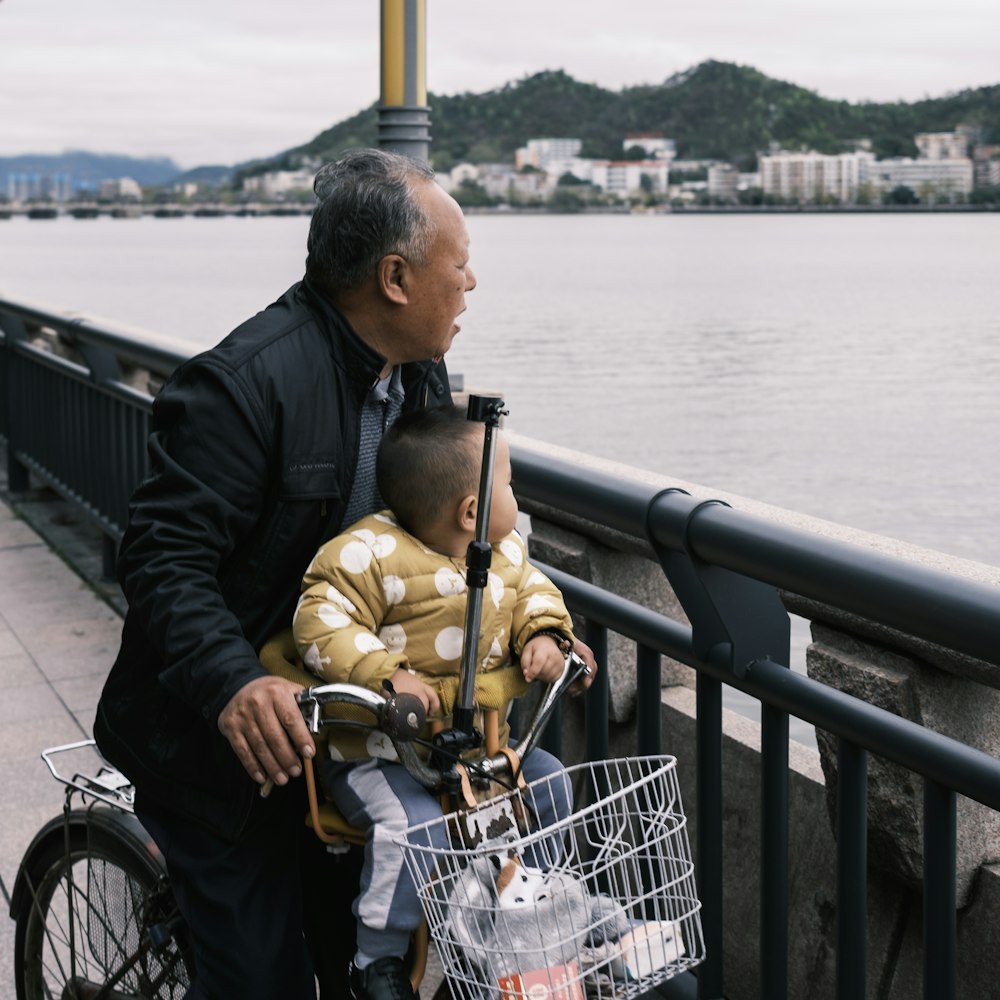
394	637
395	589
365	642
448	643
332	617
511	548
448	582
496	590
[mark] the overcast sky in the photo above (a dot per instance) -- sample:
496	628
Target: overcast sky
212	82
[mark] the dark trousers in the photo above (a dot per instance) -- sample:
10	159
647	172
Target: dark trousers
245	906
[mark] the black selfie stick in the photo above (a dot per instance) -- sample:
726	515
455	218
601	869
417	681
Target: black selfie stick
463	735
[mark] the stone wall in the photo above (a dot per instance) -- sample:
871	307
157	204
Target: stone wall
929	685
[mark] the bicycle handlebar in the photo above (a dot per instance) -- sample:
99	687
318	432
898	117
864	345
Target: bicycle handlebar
401	717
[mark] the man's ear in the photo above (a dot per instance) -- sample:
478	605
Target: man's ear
467	509
392	277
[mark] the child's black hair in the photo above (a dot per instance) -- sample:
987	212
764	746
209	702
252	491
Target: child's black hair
428	460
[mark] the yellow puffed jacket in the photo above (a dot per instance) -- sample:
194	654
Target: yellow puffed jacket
375	599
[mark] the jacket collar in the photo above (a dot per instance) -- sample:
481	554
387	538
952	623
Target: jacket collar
363	363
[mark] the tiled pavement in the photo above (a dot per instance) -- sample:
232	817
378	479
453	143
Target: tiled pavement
57	641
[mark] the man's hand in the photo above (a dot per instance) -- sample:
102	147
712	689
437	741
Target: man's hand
403	681
266	730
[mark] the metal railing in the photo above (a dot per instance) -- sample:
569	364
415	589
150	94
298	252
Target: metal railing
72	413
77	424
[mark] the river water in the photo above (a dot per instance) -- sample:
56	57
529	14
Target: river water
845	366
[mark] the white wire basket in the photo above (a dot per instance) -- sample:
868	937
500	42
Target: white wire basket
601	904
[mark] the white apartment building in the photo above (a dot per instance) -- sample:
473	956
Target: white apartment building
120	189
940	178
623	178
279	182
497	179
582	170
539	153
723	181
942	145
809	176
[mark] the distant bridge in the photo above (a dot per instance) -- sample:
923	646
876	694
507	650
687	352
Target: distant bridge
166	210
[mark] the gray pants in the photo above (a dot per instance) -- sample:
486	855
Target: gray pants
382	799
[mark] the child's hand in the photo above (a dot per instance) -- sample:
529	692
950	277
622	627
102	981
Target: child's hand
542	659
403	680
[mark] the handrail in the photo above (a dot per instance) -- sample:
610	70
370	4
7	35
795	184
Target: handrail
942	608
138	346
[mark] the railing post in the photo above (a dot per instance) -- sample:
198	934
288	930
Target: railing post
648	708
774	854
14	330
708	866
597	695
736	621
940	931
852	869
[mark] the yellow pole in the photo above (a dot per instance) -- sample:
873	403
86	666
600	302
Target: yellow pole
404	117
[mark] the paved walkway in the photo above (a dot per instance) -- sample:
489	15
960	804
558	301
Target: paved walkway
58	638
60	626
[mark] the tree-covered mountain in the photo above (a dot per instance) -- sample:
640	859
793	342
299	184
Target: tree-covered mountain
715	110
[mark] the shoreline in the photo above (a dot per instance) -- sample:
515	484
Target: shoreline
87	213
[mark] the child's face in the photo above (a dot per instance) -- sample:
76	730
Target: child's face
503	505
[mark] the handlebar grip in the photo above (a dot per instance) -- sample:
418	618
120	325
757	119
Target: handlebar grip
403	717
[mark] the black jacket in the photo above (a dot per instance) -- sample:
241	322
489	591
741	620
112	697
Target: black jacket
253	447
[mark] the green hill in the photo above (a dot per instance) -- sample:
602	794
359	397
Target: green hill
715	110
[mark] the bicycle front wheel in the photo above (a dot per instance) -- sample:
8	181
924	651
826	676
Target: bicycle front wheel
99	914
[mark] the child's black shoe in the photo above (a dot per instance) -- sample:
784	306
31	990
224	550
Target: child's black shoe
384	979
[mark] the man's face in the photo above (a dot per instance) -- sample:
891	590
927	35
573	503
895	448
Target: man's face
438	286
503	503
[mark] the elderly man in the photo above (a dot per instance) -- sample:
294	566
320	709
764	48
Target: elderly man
260	449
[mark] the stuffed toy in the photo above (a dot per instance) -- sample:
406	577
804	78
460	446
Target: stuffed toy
507	917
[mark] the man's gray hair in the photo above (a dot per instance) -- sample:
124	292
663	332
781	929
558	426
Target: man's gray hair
365	209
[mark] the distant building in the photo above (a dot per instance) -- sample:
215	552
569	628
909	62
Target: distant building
692	166
723	182
23	187
459	174
497	178
811	177
119	189
582	170
942	145
539	153
626	178
276	183
656	144
986	166
928	178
